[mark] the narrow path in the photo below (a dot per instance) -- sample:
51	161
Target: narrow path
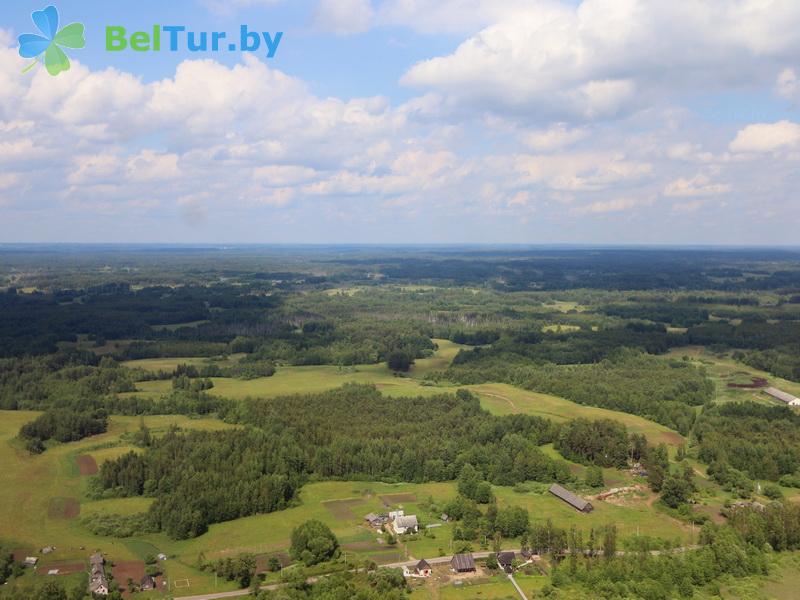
516	585
498	396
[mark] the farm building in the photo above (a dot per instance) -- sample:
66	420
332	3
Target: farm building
374	520
396	513
30	561
421	569
782	396
98	582
574	501
406	524
463	563
147	583
506	561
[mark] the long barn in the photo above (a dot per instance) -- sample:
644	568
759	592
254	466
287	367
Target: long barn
784	397
574	501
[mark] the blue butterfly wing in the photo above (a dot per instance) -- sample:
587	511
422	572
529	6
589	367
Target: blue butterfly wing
32	45
47	21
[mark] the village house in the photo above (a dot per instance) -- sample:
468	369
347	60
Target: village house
98	582
30	561
406	524
147	583
463	563
396	513
506	561
421	569
574	501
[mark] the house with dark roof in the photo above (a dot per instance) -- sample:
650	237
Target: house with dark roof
506	561
463	563
574	501
422	568
147	583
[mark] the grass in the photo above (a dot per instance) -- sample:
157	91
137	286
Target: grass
497	587
722	369
297	380
502	399
170	364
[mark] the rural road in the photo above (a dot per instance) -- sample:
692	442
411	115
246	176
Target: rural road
439	560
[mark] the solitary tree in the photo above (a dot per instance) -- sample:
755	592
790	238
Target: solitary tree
313	542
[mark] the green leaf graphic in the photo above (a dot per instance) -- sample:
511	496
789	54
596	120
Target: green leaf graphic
71	36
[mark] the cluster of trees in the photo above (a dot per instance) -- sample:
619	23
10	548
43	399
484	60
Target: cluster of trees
353	432
777	524
474	524
241	568
51	588
62	425
380	584
761	441
604	443
666	575
7	565
198	478
662	390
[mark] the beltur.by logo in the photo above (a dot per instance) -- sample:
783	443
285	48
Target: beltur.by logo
47	48
176	37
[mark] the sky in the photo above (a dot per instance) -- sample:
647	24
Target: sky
410	121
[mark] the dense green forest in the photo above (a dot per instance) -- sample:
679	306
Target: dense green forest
350	433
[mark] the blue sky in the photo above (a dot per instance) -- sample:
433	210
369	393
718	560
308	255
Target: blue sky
535	121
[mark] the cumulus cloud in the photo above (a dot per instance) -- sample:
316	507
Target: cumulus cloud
556	137
604	58
767	137
700	185
344	17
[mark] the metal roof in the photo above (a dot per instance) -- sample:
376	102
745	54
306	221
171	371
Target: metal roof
569	497
463	562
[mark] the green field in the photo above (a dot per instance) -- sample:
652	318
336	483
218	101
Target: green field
301	380
723	370
502	399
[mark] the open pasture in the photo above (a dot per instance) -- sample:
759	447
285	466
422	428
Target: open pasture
503	399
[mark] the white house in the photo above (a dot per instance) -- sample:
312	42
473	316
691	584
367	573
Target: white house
395	513
406	524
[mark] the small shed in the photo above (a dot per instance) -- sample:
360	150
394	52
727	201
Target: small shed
147	583
573	500
463	563
30	561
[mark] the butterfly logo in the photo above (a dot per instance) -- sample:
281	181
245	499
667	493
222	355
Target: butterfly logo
46	48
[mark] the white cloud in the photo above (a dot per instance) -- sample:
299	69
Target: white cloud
788	85
556	137
611	206
608	57
700	185
344	17
580	171
767	137
149	165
